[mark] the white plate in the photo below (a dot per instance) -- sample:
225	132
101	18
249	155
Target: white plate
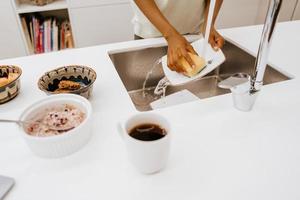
183	96
217	58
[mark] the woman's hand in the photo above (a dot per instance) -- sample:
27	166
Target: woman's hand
216	40
178	47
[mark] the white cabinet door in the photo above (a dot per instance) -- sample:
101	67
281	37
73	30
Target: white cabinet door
11	42
297	12
102	24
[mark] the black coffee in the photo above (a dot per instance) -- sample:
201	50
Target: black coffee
147	132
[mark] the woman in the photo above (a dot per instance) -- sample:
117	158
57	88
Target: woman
172	19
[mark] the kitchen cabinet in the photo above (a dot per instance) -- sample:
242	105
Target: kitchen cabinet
102	24
10	37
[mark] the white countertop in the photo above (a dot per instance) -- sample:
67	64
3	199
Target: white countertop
217	151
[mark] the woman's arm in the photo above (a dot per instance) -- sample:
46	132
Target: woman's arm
215	39
178	46
216	11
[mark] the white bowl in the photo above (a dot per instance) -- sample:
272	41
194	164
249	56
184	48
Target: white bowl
66	143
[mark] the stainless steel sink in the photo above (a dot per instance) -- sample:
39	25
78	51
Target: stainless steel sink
132	67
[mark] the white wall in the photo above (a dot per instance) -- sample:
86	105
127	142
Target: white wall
249	12
11	44
286	12
297	12
235	13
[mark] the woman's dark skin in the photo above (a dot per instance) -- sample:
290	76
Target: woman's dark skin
178	46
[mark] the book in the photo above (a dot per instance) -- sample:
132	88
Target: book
45	44
41	35
68	36
49	35
42	38
31	35
27	35
62	36
36	35
55	35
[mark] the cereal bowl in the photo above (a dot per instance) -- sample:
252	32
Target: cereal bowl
74	79
57	111
9	82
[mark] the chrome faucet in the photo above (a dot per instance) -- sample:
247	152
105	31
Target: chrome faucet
265	44
245	87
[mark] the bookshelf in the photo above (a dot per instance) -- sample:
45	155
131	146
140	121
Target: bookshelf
44	28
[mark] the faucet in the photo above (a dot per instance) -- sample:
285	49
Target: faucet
244	87
265	44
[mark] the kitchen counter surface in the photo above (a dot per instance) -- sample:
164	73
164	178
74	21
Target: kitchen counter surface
217	151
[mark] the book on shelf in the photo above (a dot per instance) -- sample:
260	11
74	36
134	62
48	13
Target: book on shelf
46	34
55	35
27	35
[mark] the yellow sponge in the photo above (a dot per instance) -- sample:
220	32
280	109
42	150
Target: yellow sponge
199	65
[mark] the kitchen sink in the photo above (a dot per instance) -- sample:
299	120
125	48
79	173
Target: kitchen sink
133	66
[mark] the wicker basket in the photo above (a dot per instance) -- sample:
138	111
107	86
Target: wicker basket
38	2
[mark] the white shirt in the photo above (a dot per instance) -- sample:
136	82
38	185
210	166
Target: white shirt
185	15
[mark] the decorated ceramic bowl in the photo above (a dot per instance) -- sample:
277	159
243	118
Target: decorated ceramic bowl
9	82
74	79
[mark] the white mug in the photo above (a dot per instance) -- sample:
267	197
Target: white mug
147	156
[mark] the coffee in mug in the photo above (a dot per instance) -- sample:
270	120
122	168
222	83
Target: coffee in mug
148	132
